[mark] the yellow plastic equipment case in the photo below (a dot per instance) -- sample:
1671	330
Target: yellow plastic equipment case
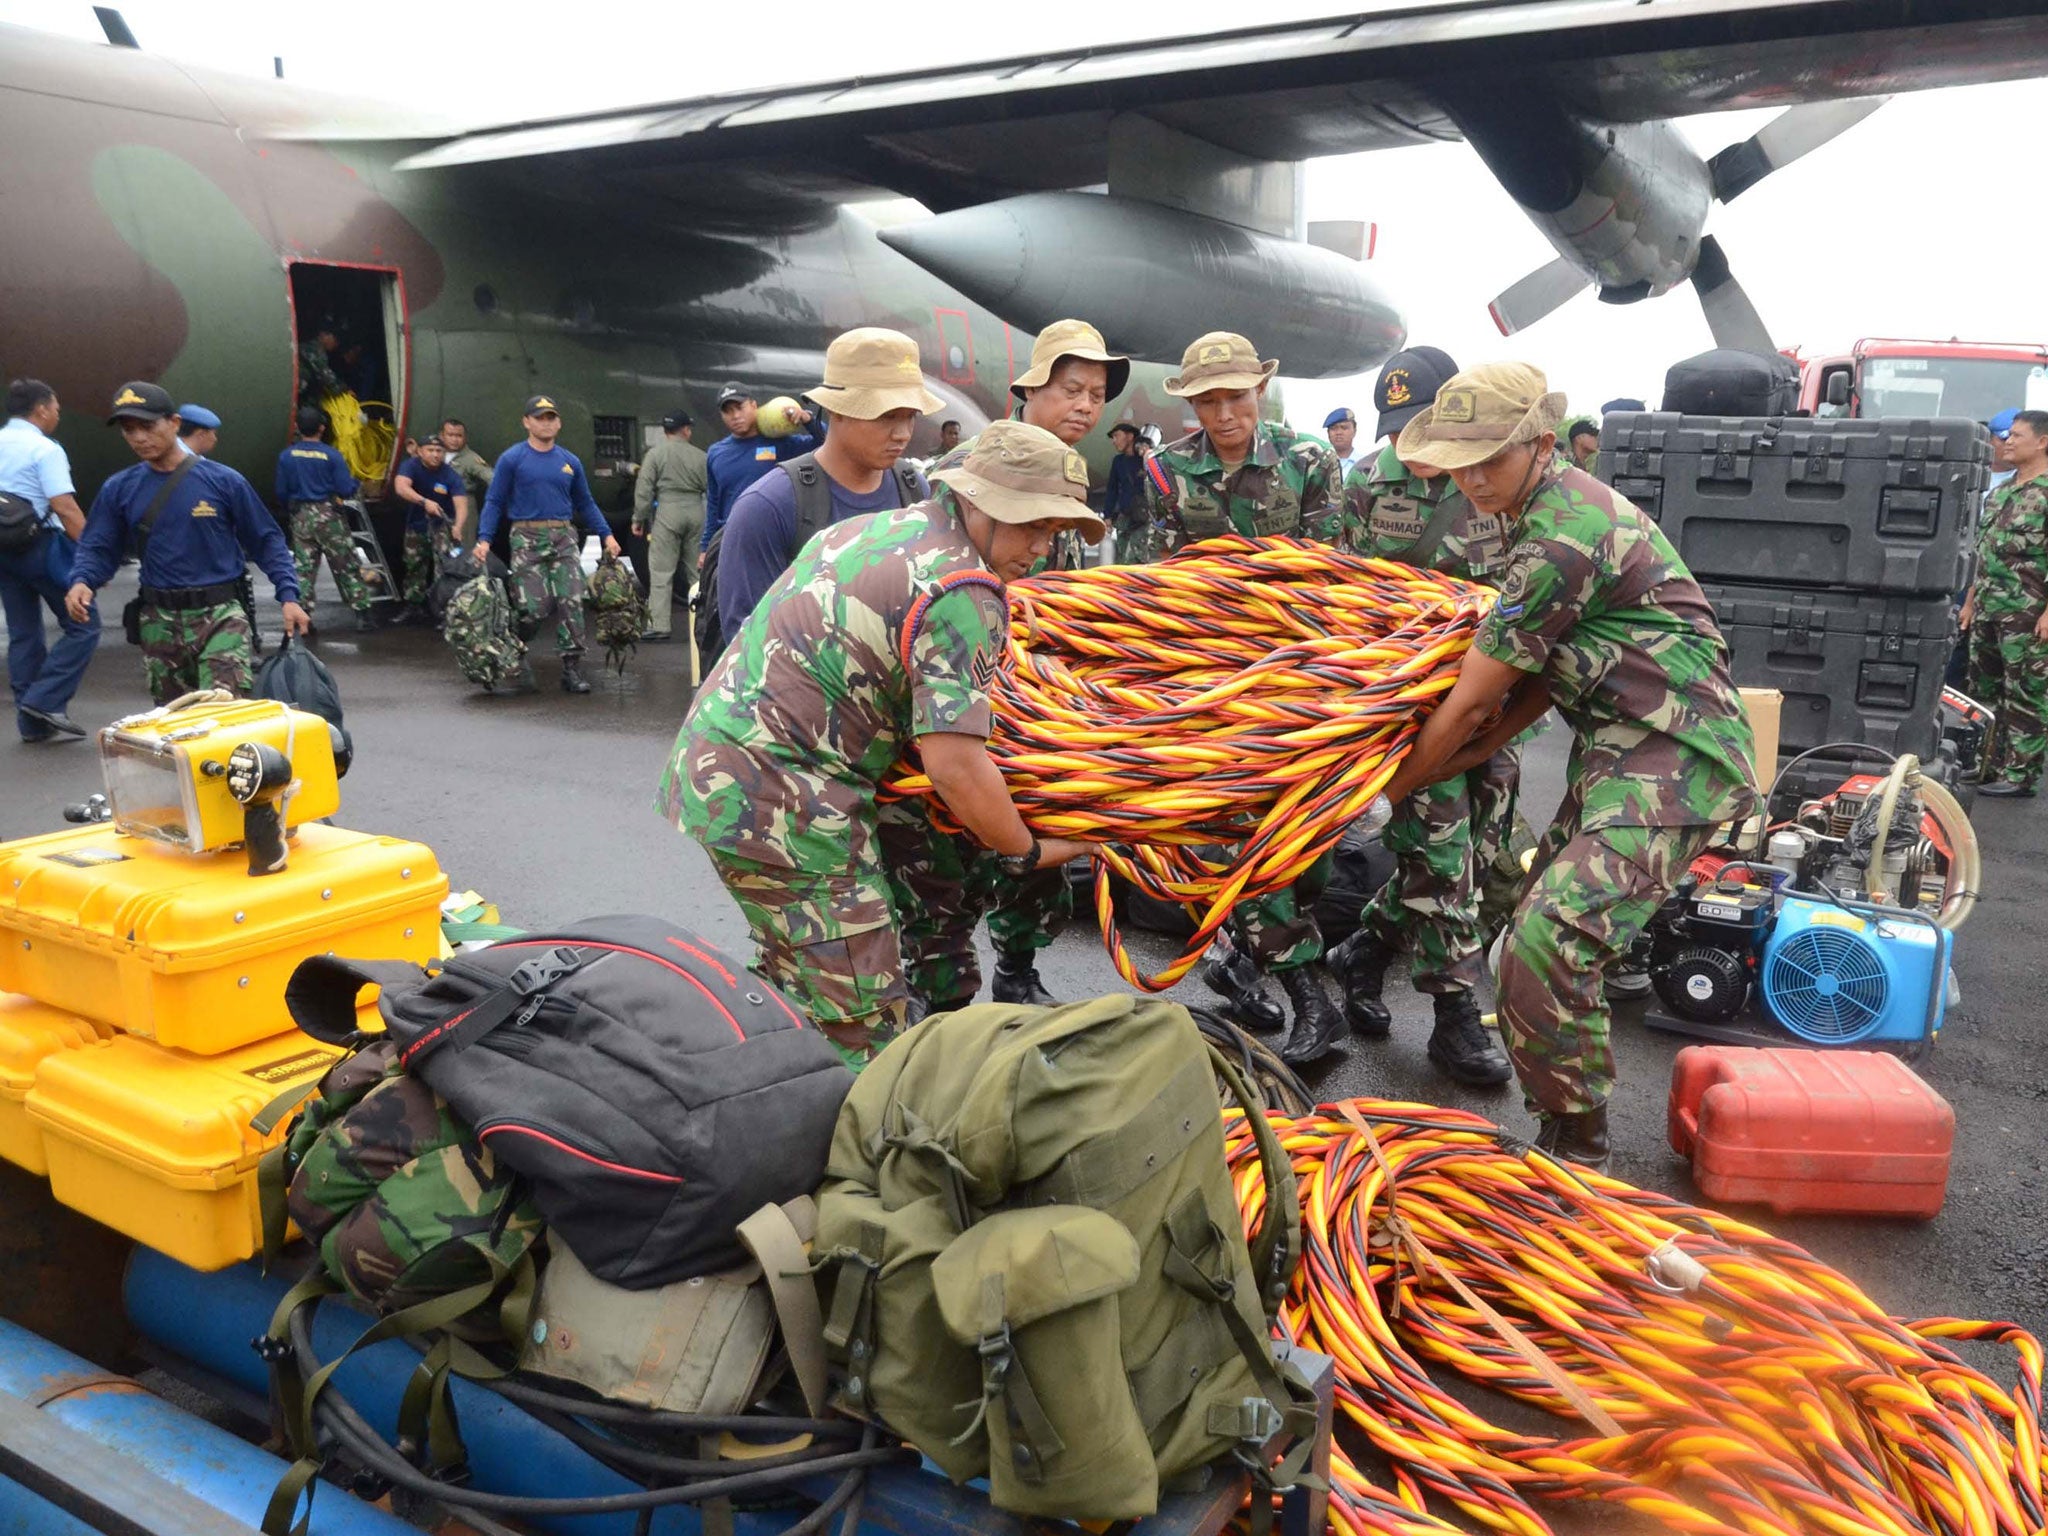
29	1032
191	950
168	771
157	1143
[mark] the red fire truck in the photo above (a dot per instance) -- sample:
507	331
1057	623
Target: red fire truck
1883	376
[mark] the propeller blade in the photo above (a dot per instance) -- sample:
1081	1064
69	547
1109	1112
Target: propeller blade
1523	304
115	25
1794	132
1730	316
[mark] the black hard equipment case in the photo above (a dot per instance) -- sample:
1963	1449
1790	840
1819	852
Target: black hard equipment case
1887	505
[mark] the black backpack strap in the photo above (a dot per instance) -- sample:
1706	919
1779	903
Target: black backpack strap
156	505
907	492
1423	552
517	999
813	499
321	996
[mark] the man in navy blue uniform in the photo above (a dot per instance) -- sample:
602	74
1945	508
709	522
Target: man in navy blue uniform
436	505
312	478
1124	498
743	455
542	491
197	523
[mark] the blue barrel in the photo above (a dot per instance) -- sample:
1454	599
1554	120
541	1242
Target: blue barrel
201	1458
209	1319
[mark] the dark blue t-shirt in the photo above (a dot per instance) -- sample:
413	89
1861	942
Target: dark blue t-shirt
210	527
441	486
733	463
760	536
540	485
312	471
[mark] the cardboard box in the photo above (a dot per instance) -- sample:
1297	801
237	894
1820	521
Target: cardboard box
1764	706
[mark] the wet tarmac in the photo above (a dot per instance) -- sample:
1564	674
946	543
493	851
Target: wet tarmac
543	803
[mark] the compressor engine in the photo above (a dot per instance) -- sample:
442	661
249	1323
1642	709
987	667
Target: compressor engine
1837	936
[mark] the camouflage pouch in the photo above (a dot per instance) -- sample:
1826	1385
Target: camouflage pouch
618	612
479	628
402	1201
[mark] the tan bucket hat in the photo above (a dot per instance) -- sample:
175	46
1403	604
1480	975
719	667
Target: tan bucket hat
1018	473
1220	360
870	372
1070	338
1479	412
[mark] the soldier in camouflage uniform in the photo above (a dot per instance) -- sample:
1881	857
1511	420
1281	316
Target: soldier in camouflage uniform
312	478
1240	474
1071	377
543	492
1445	836
205	523
2007	615
1598	616
317	379
885	635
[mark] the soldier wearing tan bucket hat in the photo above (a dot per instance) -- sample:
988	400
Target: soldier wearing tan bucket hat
1071	377
1597	615
1241	474
874	387
887	631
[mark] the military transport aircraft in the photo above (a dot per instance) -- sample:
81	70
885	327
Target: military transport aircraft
175	223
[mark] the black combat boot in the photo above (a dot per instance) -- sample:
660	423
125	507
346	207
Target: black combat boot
1230	974
1462	1047
1360	966
1580	1138
573	680
1017	981
1317	1025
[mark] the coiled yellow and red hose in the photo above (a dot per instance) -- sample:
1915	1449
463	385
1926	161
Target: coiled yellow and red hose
1217	720
1722	1381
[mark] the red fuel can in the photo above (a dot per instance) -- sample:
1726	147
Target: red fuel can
1840	1132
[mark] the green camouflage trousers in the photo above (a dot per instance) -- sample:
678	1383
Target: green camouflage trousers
189	648
850	946
1445	839
547	581
1278	930
2009	674
320	528
1589	896
1024	916
425	549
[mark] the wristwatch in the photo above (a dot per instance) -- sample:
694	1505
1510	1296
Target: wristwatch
1018	865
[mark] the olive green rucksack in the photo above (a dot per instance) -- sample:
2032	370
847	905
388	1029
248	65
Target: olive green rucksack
1037	1269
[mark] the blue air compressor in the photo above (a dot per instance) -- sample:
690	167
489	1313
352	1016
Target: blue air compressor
1738	956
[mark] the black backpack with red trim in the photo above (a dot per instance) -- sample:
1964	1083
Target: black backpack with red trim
651	1092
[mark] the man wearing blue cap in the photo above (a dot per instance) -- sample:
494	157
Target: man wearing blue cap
1341	428
2001	449
198	429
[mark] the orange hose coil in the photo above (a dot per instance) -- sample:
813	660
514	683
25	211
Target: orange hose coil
1254	693
1773	1399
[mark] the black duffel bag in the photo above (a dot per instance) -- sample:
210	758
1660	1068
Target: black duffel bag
652	1092
1725	382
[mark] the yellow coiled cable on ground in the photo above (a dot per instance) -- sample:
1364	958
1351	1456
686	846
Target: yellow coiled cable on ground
1217	720
1721	1380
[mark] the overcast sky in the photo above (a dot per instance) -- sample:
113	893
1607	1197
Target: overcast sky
1923	221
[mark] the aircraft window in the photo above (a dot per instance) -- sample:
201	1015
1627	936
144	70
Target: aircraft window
612	437
956	359
486	299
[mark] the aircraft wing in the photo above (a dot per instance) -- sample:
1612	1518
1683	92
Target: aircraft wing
954	137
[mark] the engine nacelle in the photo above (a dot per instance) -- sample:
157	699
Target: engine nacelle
1153	278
